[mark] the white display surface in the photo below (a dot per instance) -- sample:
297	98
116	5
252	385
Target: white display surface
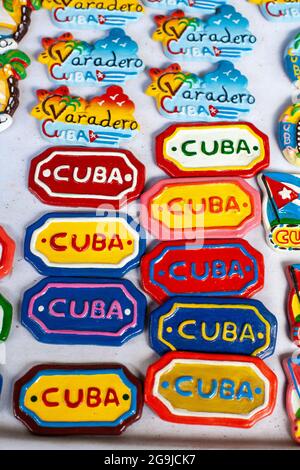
19	208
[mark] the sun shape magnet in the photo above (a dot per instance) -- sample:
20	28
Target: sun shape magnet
13	66
107	61
281	209
198	7
84	14
102	121
279	10
14	21
218	95
224	35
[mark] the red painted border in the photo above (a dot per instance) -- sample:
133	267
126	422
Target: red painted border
165	414
288	404
36	429
172	170
80	202
8	253
158	294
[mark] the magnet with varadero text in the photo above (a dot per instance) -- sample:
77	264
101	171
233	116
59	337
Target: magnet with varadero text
279	10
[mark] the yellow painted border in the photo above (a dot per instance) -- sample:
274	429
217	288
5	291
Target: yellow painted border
216	168
217	306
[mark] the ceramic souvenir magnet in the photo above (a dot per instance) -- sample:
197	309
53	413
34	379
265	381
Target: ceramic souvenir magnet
226	148
281	209
80	177
13	66
225	326
103	312
219	268
289	134
102	121
292	59
293	306
225	35
108	61
106	14
217	96
211	389
197	208
107	244
14	21
279	10
200	7
292	371
63	399
6	313
7	250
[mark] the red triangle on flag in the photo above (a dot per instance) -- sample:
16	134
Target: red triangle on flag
281	193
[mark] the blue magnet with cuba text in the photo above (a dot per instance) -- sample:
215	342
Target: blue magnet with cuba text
103	312
210	325
107	244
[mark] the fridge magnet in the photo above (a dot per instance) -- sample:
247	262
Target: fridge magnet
281	209
7	253
13	66
217	96
197	208
279	10
15	16
292	60
81	177
107	244
101	121
222	326
96	16
292	370
211	389
217	268
293	306
209	149
289	134
6	313
65	399
108	61
225	35
102	312
198	7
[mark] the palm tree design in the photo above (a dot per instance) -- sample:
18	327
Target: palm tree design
13	66
176	26
20	11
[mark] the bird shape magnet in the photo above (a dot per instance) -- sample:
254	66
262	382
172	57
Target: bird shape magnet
281	209
225	35
103	120
111	60
279	10
199	7
184	96
99	15
15	16
13	66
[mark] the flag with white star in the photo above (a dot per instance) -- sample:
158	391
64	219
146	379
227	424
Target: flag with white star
283	193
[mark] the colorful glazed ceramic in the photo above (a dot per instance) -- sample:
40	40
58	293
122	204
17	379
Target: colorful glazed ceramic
7	253
292	60
289	134
292	370
279	10
201	7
